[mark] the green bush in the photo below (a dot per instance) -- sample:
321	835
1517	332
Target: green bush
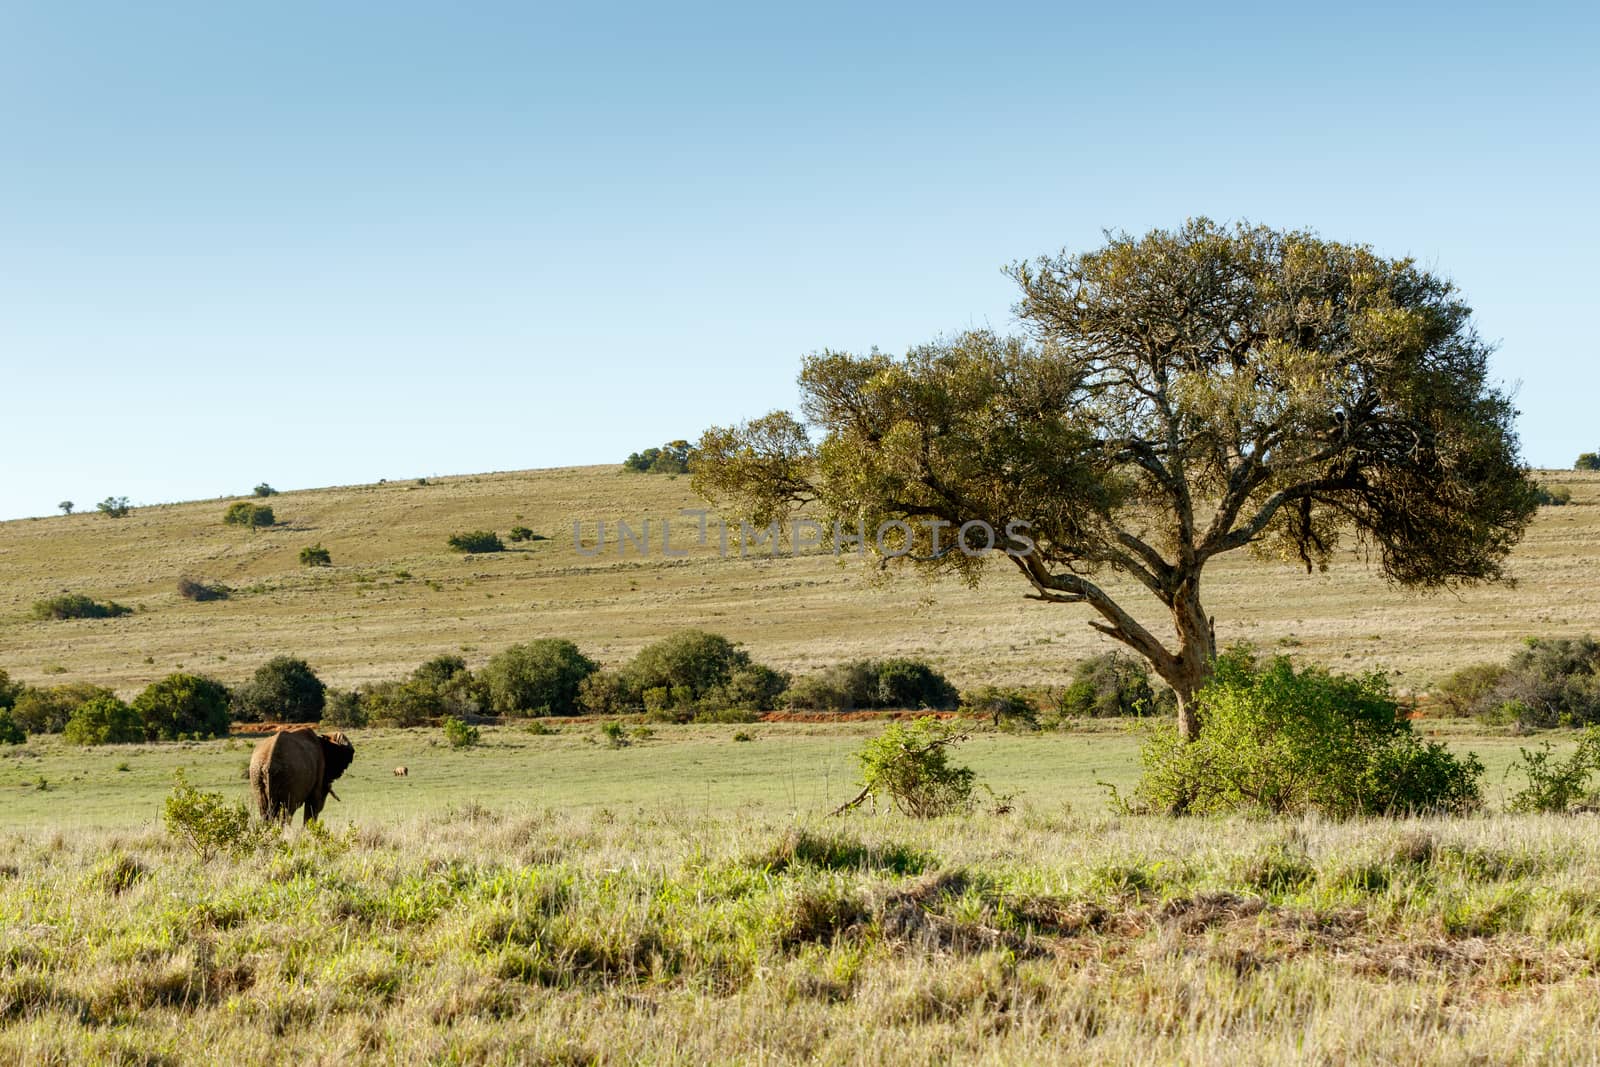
890	683
207	822
9	690
1471	690
105	720
183	706
1002	706
476	542
244	513
539	678
441	687
194	589
1554	682
674	457
78	606
1587	461
523	533
344	708
10	732
693	662
47	711
315	556
1111	684
1287	741
459	734
1554	784
909	766
1559	496
265	490
608	693
115	507
283	689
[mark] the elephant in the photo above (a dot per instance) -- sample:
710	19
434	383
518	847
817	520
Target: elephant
297	766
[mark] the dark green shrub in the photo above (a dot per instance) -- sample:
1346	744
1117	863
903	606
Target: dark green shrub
842	687
46	711
265	490
752	687
283	689
244	513
522	533
1001	706
1587	461
66	507
1471	691
183	705
1112	683
440	670
889	683
78	606
315	556
105	720
10	732
1289	741
1554	682
539	678
477	541
1558	496
116	507
194	589
674	457
693	661
608	693
9	690
344	708
909	766
408	703
459	734
1553	785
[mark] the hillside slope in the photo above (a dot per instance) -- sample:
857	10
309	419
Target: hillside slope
397	594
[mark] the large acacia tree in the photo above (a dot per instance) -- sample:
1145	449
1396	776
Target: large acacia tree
1172	397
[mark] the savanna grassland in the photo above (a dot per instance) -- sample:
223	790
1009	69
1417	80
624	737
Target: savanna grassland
549	896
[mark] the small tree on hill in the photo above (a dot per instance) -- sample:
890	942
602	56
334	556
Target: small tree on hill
244	513
66	507
1180	396
477	541
117	507
1587	461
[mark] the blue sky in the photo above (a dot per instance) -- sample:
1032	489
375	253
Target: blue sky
320	243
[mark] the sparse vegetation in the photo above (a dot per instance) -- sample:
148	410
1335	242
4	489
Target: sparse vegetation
909	767
1553	496
476	542
315	556
208	823
195	589
1554	785
1001	705
115	507
78	606
66	507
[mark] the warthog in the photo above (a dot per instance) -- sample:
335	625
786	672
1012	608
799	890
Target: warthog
400	772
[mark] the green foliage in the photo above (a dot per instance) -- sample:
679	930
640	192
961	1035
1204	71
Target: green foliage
283	689
909	765
47	711
78	606
1556	496
476	542
606	692
1471	690
891	683
194	589
184	706
1112	683
66	507
207	822
115	507
1554	682
1289	741
615	736
344	708
1003	706
442	687
539	678
674	457
104	720
244	513
10	732
9	690
523	533
459	734
683	675
1587	461
315	556
264	490
1554	784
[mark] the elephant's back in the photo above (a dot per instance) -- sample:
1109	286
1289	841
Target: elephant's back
277	751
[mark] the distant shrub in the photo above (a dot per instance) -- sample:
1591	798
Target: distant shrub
674	457
264	490
105	720
244	513
194	589
116	507
521	533
687	674
1289	741
10	732
476	542
1109	684
1001	706
47	711
182	706
345	708
615	736
78	606
909	765
207	822
1471	691
539	678
442	687
66	507
9	690
1587	461
1556	496
1553	785
315	556
459	734
283	689
890	683
440	670
608	693
1553	682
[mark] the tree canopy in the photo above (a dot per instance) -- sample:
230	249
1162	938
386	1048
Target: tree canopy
1171	398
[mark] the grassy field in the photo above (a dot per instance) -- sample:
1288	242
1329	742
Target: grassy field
396	595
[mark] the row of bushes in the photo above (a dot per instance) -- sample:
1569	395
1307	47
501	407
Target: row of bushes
176	707
1549	682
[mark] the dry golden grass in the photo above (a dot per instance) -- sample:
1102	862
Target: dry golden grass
363	619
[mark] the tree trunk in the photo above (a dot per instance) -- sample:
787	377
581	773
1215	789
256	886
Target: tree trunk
1191	668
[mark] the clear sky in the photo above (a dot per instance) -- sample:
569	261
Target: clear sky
317	243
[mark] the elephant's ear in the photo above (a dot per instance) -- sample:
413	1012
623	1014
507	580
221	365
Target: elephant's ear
337	751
